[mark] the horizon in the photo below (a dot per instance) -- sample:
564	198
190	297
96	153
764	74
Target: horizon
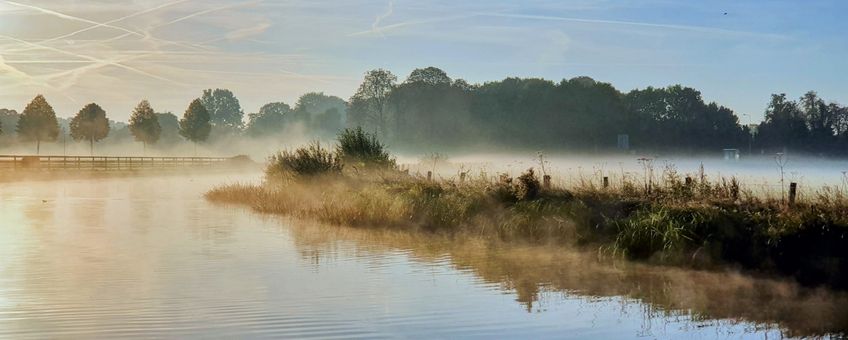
169	51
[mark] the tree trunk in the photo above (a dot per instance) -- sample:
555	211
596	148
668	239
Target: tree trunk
37	146
91	146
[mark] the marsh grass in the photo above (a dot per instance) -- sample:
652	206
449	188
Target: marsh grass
663	217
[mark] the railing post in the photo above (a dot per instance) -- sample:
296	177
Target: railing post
606	182
546	182
429	175
793	190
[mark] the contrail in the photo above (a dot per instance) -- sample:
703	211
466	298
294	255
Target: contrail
69	17
97	60
106	24
210	10
380	30
380	18
701	29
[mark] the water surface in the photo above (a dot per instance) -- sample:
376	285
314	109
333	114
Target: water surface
149	257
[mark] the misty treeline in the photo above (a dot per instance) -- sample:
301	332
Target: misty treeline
216	116
430	110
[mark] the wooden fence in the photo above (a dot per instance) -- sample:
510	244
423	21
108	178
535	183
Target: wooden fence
109	163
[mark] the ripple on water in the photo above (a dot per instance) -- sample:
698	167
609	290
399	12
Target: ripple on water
149	258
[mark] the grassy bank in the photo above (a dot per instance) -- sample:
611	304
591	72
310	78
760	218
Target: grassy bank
667	219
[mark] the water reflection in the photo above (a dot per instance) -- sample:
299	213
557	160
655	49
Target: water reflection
539	275
148	257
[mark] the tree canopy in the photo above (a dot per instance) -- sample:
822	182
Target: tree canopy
270	119
38	122
144	124
223	107
195	125
369	105
90	124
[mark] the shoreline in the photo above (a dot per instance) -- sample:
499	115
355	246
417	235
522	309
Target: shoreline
701	225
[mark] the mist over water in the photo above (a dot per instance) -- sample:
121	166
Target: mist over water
150	257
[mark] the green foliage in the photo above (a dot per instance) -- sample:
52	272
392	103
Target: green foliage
360	148
369	106
650	232
223	107
528	186
144	124
90	124
308	161
195	125
38	122
271	119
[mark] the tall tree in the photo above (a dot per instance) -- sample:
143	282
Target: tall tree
90	124
315	103
170	124
784	125
38	123
195	124
271	119
369	105
224	108
429	75
144	124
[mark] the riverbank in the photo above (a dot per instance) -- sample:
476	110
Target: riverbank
700	226
670	219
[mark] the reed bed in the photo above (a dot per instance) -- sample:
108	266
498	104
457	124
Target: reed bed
662	217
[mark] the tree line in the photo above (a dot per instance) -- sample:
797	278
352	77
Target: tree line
217	113
430	110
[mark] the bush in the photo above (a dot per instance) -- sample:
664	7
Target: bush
306	161
361	148
528	186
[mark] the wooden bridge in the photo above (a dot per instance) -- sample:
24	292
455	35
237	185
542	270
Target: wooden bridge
114	163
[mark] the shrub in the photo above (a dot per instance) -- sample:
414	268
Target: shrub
306	161
528	186
361	148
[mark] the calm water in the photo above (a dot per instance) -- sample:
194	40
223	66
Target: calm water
150	258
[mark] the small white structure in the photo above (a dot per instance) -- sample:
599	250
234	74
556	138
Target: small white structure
731	154
623	142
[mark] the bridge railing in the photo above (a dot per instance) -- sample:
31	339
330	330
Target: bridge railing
14	162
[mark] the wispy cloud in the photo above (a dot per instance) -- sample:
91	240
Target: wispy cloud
699	29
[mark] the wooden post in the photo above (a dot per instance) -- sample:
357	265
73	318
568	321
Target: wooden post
606	182
429	175
546	182
793	190
461	177
688	181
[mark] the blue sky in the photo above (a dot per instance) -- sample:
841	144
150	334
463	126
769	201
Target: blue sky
118	52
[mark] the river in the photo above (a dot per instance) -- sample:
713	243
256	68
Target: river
148	257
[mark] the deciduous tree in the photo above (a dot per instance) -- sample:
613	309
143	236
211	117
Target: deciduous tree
90	124
38	123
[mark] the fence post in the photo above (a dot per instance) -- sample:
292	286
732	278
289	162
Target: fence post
606	182
793	190
546	182
429	175
462	177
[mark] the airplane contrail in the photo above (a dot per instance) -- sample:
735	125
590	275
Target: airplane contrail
97	60
107	24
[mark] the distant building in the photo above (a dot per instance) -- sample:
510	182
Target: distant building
731	154
624	142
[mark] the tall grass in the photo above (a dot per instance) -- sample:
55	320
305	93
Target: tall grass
665	217
362	149
311	160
